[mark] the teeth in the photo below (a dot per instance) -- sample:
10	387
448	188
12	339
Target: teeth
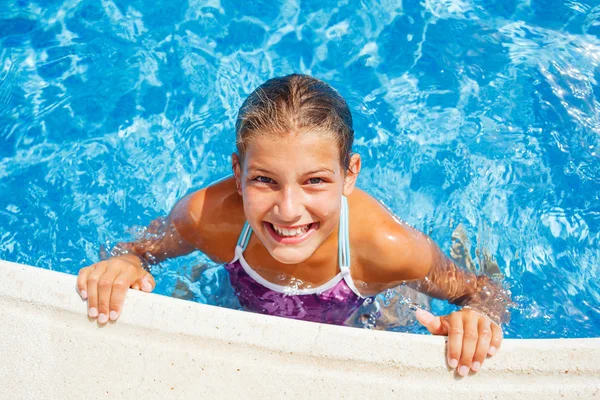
290	232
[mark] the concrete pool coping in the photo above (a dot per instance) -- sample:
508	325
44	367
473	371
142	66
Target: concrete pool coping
165	347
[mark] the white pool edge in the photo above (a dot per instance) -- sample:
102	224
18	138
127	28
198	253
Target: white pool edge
165	347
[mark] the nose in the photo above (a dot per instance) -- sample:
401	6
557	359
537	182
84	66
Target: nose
289	205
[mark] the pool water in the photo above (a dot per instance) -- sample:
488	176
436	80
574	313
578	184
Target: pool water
478	120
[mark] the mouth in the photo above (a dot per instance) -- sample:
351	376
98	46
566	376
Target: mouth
291	235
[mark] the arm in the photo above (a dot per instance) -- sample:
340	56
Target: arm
161	240
406	255
474	331
104	285
445	280
208	220
392	253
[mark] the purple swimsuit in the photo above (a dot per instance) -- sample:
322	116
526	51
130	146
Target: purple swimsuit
332	302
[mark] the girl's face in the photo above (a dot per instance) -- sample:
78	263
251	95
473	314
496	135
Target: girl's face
292	191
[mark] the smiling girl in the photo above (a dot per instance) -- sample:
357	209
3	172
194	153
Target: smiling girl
299	239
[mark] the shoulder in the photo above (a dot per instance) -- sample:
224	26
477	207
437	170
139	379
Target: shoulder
386	249
211	219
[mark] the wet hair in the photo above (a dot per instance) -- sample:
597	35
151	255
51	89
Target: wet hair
295	104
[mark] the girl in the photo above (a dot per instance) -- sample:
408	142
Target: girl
299	239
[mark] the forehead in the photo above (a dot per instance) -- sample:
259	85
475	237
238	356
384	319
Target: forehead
303	150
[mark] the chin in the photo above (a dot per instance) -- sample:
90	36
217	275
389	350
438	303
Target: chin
288	256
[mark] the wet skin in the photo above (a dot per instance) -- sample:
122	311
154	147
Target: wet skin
298	181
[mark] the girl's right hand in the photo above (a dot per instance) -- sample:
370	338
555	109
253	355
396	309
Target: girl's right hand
105	285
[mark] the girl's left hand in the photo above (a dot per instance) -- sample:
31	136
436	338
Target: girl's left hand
471	337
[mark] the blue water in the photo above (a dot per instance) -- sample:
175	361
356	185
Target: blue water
480	117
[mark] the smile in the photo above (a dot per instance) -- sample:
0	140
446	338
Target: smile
291	235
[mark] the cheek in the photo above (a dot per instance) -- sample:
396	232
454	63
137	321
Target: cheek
327	209
254	205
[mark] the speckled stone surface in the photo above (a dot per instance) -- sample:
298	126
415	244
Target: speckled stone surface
168	348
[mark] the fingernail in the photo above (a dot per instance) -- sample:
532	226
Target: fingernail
453	363
146	286
476	366
425	316
102	318
492	351
92	312
83	294
113	315
463	371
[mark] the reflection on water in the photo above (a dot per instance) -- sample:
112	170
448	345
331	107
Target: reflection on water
478	122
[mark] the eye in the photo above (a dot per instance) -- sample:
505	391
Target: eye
263	179
315	181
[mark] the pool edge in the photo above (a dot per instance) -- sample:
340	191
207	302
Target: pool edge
163	346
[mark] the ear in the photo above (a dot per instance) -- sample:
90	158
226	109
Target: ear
237	171
351	175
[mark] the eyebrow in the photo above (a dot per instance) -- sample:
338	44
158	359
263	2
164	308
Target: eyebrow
316	171
259	170
320	170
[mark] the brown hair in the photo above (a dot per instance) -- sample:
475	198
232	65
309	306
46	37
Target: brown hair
293	104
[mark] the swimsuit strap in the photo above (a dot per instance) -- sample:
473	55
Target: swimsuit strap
244	236
343	237
344	247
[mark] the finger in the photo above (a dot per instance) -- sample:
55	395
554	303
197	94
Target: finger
455	338
119	292
469	344
430	321
147	282
92	288
483	343
82	281
105	287
496	341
